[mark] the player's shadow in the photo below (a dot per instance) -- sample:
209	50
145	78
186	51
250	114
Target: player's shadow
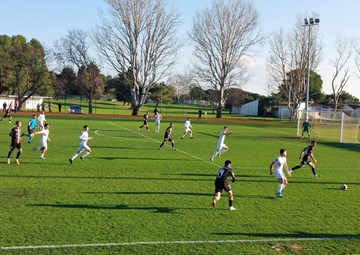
207	134
115	147
344	146
214	175
137	158
298	234
107	207
197	175
193	194
151	193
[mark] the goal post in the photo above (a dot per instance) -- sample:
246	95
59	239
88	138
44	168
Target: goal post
330	125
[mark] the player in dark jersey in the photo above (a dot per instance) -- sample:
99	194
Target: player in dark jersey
305	155
15	135
306	127
146	118
167	137
221	184
7	115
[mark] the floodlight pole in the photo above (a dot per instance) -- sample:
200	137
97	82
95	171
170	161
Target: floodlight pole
308	22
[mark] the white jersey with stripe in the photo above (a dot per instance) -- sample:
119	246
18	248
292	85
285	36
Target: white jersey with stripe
44	136
84	137
279	163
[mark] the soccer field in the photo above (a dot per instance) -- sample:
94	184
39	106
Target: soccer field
127	197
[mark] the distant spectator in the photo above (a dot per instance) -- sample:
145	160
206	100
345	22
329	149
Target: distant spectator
43	106
38	107
50	107
4	106
59	105
200	113
16	105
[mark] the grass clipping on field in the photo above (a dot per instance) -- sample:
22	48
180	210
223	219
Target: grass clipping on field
278	247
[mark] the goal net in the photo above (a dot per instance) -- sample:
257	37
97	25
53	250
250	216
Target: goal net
330	125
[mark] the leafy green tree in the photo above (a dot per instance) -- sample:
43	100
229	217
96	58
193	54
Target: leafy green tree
197	93
65	83
23	68
315	87
292	89
5	62
235	97
120	88
348	98
160	93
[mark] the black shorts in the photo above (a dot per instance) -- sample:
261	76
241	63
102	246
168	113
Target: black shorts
15	145
168	139
221	185
305	162
145	122
30	130
7	115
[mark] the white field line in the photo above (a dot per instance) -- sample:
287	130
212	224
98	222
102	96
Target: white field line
181	242
97	132
176	242
152	139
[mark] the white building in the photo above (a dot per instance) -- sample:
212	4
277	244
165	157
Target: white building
30	104
248	109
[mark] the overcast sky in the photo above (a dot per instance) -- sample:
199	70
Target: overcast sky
49	20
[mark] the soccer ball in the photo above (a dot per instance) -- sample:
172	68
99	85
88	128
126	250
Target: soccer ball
343	186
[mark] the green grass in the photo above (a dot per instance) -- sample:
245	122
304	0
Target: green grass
127	192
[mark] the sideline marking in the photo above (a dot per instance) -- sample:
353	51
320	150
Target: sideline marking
98	132
208	161
181	151
182	242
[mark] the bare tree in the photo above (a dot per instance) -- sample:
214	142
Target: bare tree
287	62
222	36
73	50
180	84
139	36
341	69
356	47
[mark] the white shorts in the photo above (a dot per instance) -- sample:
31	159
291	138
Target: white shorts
83	147
43	144
220	146
187	130
279	174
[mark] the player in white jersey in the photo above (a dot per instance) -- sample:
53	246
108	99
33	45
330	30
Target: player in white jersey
277	166
43	140
187	126
41	119
84	137
221	146
158	119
